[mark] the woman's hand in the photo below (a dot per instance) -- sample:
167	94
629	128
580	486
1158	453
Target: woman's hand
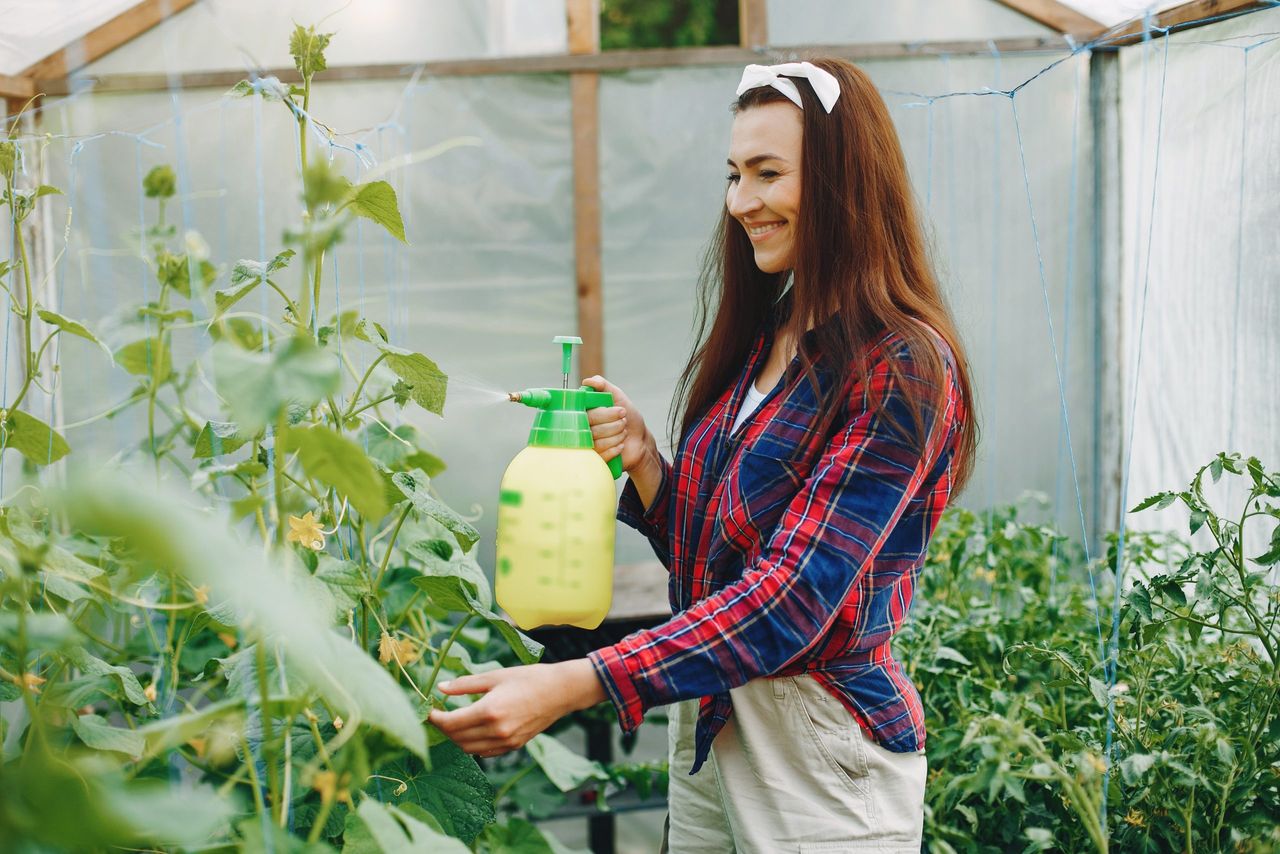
518	703
620	429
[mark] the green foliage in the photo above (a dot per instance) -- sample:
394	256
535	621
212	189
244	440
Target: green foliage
215	640
633	24
160	183
1006	647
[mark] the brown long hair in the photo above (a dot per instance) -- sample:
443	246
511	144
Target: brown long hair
860	263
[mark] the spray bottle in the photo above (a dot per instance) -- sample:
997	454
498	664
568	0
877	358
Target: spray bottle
556	512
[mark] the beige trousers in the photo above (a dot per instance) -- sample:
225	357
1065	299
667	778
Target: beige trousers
791	772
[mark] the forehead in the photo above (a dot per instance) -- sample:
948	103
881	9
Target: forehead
773	128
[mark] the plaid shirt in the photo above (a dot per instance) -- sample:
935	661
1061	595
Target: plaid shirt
790	552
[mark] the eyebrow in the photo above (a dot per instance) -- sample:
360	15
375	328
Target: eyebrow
759	158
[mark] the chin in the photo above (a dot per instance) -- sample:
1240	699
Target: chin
771	264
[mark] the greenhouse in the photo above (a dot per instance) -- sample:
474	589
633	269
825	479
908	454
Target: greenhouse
382	467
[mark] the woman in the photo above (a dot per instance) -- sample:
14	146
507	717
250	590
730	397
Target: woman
824	427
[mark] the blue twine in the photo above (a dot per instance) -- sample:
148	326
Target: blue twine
991	384
1235	316
1113	658
1057	363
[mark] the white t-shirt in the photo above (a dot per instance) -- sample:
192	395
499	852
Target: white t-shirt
750	404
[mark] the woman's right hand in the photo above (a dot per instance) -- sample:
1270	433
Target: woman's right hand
620	429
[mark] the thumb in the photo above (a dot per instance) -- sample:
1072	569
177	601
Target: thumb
478	683
598	383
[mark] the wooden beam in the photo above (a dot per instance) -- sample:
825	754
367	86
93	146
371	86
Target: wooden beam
753	24
16	88
584	94
1182	17
611	61
98	42
1056	16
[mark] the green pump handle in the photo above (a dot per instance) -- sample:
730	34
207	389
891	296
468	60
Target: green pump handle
556	426
597	399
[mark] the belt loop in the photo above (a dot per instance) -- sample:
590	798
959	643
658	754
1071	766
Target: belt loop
779	689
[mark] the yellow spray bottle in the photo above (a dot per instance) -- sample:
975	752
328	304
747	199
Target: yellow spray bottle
556	512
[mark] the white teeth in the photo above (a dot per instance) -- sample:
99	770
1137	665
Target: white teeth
761	229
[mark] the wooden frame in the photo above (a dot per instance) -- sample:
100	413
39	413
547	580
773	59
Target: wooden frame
1181	17
100	41
753	24
1056	16
584	93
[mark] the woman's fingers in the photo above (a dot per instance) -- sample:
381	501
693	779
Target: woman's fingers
608	429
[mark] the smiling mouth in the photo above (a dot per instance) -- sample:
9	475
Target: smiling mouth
762	232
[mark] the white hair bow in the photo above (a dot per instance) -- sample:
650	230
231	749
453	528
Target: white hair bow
824	84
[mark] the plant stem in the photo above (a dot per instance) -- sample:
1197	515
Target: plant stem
277	471
371	405
386	558
355	398
453	636
326	804
515	778
268	726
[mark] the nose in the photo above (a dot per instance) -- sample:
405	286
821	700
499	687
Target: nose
742	201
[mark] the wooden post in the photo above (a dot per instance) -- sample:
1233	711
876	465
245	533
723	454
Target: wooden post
584	87
100	41
1181	17
753	24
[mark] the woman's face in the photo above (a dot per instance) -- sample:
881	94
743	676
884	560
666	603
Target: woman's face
764	180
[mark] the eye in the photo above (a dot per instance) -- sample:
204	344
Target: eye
766	174
731	177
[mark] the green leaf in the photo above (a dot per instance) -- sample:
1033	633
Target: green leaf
258	386
307	48
91	665
160	183
566	769
345	581
217	438
247	275
70	326
339	462
98	734
455	790
172	732
414	486
451	592
32	438
427	383
518	836
1133	766
146	357
393	830
377	201
8	156
1160	501
173	271
526	648
946	653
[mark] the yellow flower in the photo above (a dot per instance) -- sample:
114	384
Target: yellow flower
30	682
1136	818
202	594
337	722
401	650
306	532
150	692
326	783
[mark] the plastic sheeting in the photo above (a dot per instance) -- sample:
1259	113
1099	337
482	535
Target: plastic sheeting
30	30
485	282
804	22
1200	253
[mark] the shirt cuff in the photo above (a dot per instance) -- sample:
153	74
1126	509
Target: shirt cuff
613	674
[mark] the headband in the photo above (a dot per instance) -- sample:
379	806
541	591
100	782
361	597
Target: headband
824	84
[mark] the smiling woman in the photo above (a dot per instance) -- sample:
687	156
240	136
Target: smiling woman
825	426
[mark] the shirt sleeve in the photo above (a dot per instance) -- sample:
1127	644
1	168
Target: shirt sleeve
652	521
828	536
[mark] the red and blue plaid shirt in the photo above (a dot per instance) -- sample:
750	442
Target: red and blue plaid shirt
791	552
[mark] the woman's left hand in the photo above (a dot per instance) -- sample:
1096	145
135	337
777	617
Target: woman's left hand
518	703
